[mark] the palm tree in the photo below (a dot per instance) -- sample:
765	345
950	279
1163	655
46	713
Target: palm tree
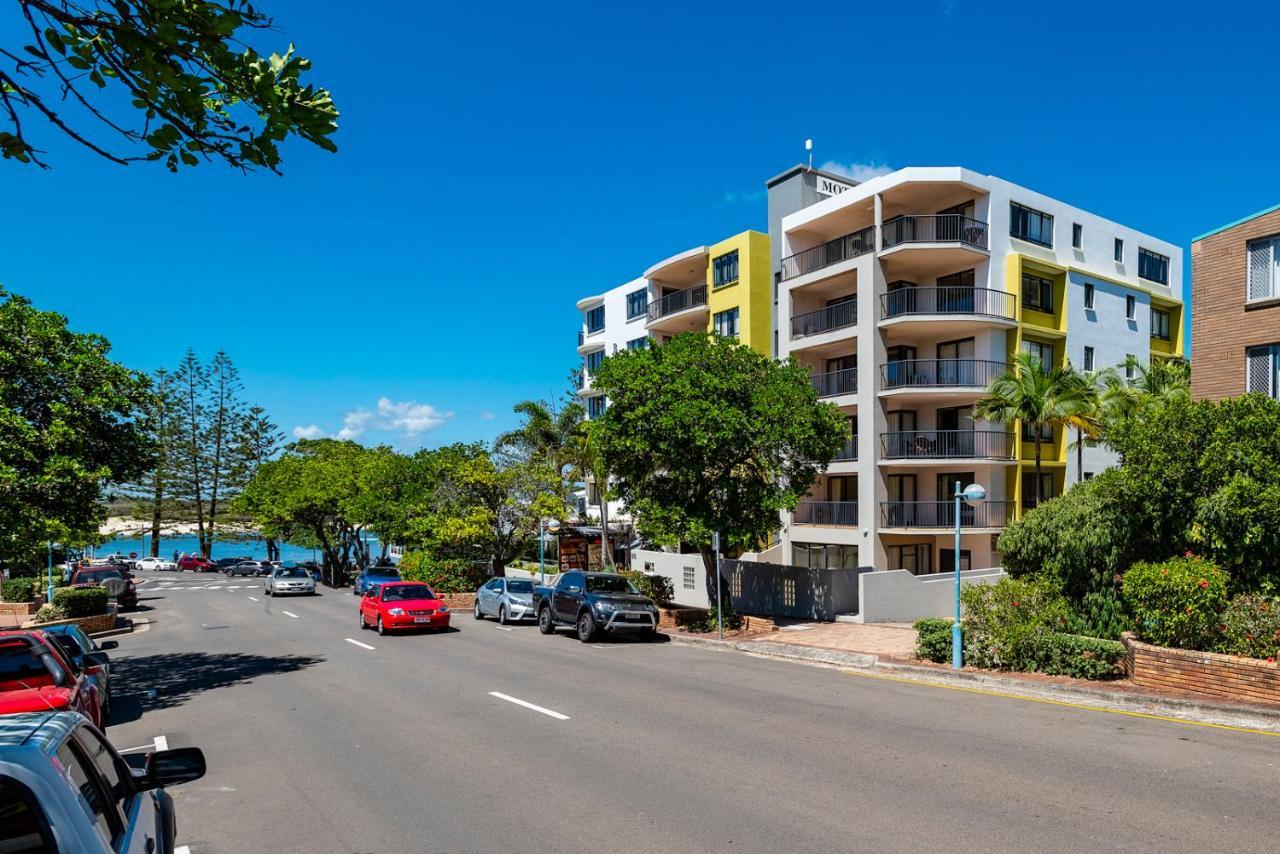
1087	423
1037	397
583	453
1163	381
546	434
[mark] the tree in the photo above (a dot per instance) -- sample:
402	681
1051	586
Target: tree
1088	422
1037	397
704	435
70	423
157	484
550	435
257	440
226	413
1163	381
197	89
583	454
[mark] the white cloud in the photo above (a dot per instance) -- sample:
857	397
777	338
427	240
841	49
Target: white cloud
354	422
408	416
857	171
487	415
311	431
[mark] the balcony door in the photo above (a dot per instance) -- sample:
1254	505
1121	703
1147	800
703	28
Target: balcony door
955	426
842	488
901	367
946	497
955	362
900	299
955	293
952	220
902	500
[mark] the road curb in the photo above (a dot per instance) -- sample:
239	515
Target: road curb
119	630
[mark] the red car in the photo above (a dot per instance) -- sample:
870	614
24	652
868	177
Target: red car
402	605
119	585
197	564
36	676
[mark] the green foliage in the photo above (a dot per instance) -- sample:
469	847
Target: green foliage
1178	602
1250	627
933	639
700	623
447	575
68	427
1004	622
50	614
81	601
198	88
1100	614
1062	654
18	590
657	587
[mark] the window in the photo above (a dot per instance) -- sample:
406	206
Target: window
104	760
1031	225
1037	293
1119	251
1088	475
1159	324
594	360
1130	307
916	558
1077	235
947	560
1262	370
595	406
1130	367
1153	266
1029	488
638	343
1089	295
1264	268
688	578
1044	352
824	556
595	319
1088	359
637	304
725	323
84	781
23	826
724	270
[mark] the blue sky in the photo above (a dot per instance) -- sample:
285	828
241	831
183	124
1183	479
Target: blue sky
499	161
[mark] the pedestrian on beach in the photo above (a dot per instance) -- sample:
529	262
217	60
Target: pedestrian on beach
175	555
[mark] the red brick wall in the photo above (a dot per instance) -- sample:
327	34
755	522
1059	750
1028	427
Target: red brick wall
1202	674
1221	326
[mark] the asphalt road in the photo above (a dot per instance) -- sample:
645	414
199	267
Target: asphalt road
317	744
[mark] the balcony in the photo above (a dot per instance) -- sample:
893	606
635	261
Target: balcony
839	513
677	302
939	373
836	316
939	228
942	514
947	445
832	252
961	300
835	383
848	451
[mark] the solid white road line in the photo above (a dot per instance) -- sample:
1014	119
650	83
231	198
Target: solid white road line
182	849
253	598
214	587
233	586
136	749
358	643
161	742
503	628
530	706
289	614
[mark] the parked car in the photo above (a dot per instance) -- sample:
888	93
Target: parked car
594	602
120	587
295	580
313	569
374	575
76	644
36	675
196	564
402	605
65	788
507	599
156	564
244	567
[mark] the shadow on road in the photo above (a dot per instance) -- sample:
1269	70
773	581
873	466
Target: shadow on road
176	677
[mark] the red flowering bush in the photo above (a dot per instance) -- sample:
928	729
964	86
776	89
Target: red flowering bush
1251	627
1005	623
1176	603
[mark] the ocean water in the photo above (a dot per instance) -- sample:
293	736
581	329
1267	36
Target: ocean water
251	548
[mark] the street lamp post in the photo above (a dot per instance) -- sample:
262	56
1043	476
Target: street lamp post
552	525
973	495
49	594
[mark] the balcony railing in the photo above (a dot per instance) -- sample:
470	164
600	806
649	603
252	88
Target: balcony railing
833	383
836	316
939	228
842	513
948	300
848	451
678	301
947	445
942	514
832	252
940	373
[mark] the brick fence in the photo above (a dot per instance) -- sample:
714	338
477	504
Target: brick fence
1203	674
672	618
91	625
459	601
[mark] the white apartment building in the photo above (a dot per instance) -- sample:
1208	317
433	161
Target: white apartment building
905	296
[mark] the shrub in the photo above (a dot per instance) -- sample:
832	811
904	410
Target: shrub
447	575
1250	627
81	601
933	639
657	587
18	590
1100	614
1004	621
1178	602
708	622
50	614
1062	654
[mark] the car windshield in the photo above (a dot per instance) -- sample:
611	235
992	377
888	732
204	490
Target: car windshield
406	591
520	586
291	573
383	572
98	575
609	584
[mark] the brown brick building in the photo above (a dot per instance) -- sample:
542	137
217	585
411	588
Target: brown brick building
1235	308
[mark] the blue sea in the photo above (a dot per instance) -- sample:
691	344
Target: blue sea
237	547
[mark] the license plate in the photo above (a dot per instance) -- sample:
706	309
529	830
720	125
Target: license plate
422	619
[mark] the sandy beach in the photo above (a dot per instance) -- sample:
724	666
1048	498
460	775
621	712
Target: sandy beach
126	527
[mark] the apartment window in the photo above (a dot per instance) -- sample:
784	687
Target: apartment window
1088	475
724	269
1030	224
1153	266
1077	235
824	556
1088	359
637	303
947	560
1037	293
1160	324
1119	251
725	323
688	578
1089	294
1262	370
1130	367
595	319
638	343
595	406
916	558
1130	307
1029	488
1043	352
1264	268
594	361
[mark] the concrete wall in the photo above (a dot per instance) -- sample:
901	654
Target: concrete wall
673	566
898	596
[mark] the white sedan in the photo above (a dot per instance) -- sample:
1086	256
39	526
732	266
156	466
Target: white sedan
289	580
155	564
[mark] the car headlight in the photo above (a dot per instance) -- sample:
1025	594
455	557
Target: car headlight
606	607
444	609
396	612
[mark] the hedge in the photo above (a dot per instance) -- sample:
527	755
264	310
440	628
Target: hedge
18	590
1176	603
443	575
81	601
657	587
933	639
1061	654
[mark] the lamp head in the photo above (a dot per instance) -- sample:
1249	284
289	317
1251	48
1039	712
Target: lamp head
974	494
553	525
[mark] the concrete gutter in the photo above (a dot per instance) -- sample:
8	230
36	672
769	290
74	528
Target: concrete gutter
1109	699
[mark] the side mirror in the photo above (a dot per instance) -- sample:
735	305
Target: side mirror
95	659
171	767
56	670
105	645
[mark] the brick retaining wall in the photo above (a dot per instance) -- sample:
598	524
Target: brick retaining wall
1203	674
459	601
18	609
91	625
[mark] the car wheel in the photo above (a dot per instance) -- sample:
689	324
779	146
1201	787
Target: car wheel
475	612
266	591
363	625
586	627
502	615
546	625
382	630
648	634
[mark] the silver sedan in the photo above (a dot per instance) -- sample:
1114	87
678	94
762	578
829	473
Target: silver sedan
289	580
507	599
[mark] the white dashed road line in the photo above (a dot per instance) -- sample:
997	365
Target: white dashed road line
358	643
548	712
503	628
289	614
253	598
